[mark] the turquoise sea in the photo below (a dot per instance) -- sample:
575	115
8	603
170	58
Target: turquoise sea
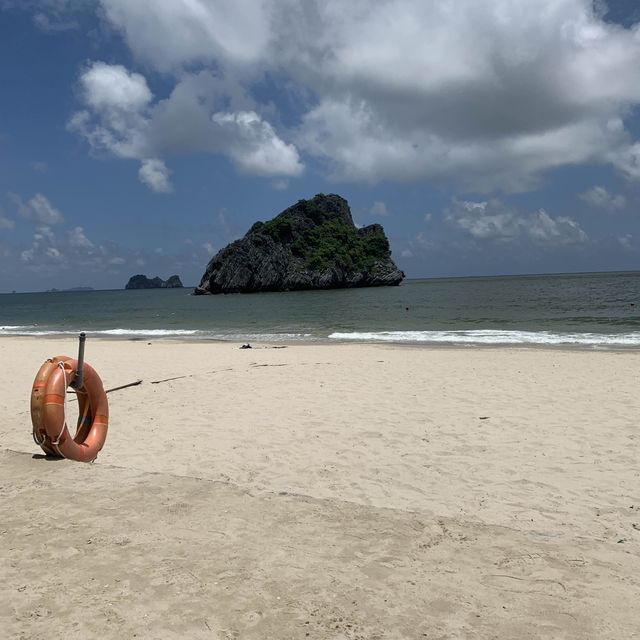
592	310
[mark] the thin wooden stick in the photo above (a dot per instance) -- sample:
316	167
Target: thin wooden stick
169	379
189	375
124	386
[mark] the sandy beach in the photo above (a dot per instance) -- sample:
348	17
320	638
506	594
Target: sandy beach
328	491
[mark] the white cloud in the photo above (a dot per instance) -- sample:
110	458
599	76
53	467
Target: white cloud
71	252
626	241
254	145
544	229
51	16
38	209
78	239
170	34
6	223
484	220
182	123
358	146
491	94
111	87
54	255
49	24
494	221
600	198
43	252
51	7
627	160
379	208
423	242
117	116
45	236
43	211
155	175
122	118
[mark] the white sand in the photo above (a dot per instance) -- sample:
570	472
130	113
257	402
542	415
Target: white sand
339	491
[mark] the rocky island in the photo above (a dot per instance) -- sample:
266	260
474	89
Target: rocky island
313	244
142	282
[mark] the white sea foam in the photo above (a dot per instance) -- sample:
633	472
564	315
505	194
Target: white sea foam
495	337
18	329
146	332
34	330
260	337
478	336
31	330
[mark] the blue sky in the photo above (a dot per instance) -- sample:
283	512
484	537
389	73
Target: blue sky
487	137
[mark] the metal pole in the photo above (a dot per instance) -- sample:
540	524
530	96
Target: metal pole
79	371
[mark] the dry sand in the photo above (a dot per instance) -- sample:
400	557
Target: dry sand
328	491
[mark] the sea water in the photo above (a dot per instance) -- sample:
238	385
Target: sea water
590	310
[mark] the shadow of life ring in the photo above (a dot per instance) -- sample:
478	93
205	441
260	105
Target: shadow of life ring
48	415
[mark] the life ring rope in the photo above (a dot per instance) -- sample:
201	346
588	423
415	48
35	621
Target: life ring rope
35	438
56	442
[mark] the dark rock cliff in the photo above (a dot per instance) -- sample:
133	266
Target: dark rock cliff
142	282
311	245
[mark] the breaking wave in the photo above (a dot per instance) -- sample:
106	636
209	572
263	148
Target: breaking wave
495	337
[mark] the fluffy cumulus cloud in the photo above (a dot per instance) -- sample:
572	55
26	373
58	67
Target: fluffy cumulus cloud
122	118
78	239
495	221
379	208
169	34
155	175
54	248
44	250
626	241
38	209
600	198
627	160
50	16
45	23
487	94
69	255
254	145
116	117
6	223
111	89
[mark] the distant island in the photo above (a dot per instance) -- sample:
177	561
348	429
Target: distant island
142	282
313	244
54	290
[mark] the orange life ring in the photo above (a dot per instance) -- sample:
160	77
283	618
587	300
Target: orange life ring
48	418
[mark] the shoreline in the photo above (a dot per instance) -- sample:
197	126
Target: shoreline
284	343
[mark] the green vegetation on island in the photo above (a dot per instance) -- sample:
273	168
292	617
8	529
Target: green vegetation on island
313	244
